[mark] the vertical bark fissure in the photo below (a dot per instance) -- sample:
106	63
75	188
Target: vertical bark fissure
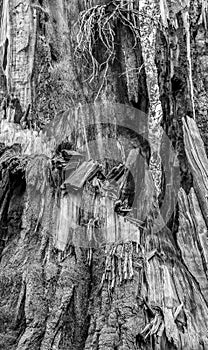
147	287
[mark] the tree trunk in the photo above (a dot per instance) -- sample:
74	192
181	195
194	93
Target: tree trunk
103	175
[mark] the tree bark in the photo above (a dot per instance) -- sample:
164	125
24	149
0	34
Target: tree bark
103	175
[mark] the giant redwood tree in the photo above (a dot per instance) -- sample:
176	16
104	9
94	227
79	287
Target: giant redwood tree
103	174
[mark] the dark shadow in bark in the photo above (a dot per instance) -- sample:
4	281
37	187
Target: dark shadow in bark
5	53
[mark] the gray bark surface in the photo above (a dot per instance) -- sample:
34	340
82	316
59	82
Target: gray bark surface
103	175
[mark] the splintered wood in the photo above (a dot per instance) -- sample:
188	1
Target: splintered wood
198	161
112	227
192	238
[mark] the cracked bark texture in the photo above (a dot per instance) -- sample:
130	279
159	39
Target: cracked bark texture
146	286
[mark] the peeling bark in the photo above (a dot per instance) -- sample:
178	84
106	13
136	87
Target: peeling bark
103	242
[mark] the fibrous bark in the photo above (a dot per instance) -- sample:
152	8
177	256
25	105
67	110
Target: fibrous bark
103	175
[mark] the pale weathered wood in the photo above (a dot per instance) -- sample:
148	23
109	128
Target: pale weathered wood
115	258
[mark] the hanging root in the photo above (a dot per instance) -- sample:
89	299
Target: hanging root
98	23
155	327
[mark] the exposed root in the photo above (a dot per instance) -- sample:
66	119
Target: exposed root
155	326
99	23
